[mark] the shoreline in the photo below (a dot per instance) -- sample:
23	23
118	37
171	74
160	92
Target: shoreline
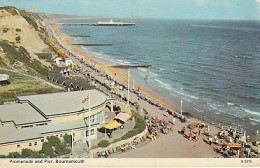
121	73
120	76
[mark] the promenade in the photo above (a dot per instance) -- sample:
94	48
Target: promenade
168	145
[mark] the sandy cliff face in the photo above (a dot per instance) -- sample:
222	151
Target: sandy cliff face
20	29
14	28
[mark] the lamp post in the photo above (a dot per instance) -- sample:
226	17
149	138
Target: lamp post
181	107
133	84
89	124
128	87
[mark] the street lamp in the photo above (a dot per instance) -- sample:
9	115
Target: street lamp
128	91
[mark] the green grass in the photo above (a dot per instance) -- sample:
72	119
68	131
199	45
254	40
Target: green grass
23	85
20	54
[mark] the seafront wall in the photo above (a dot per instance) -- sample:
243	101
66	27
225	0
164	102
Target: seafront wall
116	144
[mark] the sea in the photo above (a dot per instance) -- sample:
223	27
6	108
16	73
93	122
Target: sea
213	66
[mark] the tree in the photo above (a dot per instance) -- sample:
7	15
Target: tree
67	139
47	148
54	141
27	153
62	149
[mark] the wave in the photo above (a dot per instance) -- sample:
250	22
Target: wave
252	112
234	104
255	120
165	85
227	28
142	69
191	96
153	74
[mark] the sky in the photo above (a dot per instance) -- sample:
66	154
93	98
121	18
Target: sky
178	9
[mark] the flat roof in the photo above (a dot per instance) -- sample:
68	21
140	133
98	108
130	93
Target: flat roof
20	114
65	102
12	134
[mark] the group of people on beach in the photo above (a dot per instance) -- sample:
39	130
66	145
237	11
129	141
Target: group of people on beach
156	126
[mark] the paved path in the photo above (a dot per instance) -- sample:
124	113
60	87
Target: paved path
169	145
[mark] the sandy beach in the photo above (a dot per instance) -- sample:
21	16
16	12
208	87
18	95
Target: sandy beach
172	145
119	74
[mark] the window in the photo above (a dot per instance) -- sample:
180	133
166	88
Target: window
61	135
18	146
35	143
42	140
30	144
48	137
91	132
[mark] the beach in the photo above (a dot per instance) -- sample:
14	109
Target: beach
170	145
119	74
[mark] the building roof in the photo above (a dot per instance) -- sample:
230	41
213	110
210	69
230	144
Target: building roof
20	114
122	116
112	124
12	134
65	102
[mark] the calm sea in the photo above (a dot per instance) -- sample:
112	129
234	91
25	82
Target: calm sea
213	66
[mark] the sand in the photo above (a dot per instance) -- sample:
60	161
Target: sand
119	74
166	146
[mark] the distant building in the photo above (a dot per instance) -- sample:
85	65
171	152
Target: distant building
33	9
29	123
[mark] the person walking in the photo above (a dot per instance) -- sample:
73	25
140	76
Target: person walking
173	120
190	135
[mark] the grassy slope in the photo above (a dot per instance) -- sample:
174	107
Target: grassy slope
23	85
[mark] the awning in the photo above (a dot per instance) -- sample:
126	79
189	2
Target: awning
122	116
112	124
125	109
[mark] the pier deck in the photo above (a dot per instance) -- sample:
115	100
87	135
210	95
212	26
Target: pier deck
127	66
91	44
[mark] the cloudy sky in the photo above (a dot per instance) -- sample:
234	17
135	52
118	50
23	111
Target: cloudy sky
189	9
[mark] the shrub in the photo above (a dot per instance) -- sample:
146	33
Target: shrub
5	30
62	149
103	143
10	9
3	156
116	140
27	153
14	155
18	38
140	126
94	147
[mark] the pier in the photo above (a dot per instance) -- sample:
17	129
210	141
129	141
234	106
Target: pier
79	36
127	66
87	44
110	23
